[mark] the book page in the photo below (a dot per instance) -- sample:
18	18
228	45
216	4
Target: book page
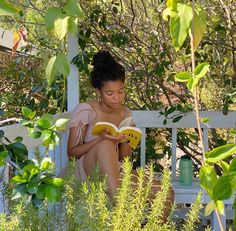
125	122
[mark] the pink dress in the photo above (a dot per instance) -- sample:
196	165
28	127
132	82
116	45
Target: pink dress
84	114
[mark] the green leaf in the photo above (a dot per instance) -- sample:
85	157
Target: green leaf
57	64
73	25
232	166
48	117
46	137
32	187
7	9
19	149
46	164
167	13
43	123
52	193
177	118
199	25
51	70
180	24
51	15
62	64
61	25
31	169
220	153
40	194
224	166
183	76
26	111
19	191
35	134
73	8
220	207
208	178
223	188
205	120
61	124
18	139
209	208
58	182
4	153
201	70
19	179
191	84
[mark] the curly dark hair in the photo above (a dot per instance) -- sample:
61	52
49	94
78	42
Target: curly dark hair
105	68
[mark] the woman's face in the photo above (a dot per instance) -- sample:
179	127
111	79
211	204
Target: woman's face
112	94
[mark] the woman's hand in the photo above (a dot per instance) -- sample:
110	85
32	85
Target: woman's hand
115	139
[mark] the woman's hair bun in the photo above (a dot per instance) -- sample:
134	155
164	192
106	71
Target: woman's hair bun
105	68
103	60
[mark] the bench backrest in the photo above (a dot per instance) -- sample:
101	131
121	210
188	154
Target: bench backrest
143	120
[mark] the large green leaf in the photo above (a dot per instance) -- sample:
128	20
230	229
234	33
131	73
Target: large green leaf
62	64
220	153
199	25
201	70
7	9
40	194
19	150
180	24
32	187
19	191
73	25
61	25
73	8
223	188
208	178
53	194
31	169
61	124
51	15
51	70
57	64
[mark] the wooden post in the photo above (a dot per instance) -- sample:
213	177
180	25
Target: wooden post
73	78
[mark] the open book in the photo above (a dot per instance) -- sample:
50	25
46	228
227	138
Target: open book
133	134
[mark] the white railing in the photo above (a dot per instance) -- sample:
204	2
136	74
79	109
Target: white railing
143	120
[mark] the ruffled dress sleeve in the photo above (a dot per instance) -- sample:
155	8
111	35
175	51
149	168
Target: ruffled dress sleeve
82	115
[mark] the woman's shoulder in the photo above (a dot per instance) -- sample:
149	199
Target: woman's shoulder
83	106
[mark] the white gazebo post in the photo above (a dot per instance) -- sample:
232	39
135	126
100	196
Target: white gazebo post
73	78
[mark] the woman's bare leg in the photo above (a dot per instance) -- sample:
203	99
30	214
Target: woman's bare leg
105	154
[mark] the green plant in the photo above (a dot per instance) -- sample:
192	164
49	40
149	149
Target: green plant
34	181
86	205
192	20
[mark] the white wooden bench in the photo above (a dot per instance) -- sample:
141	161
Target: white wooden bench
143	120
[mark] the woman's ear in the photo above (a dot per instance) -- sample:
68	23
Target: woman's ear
98	92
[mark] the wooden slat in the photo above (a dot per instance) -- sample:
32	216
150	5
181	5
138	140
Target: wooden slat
143	148
173	153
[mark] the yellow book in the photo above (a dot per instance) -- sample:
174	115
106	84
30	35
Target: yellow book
133	134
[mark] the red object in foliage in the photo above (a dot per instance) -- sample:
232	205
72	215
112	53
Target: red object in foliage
19	35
